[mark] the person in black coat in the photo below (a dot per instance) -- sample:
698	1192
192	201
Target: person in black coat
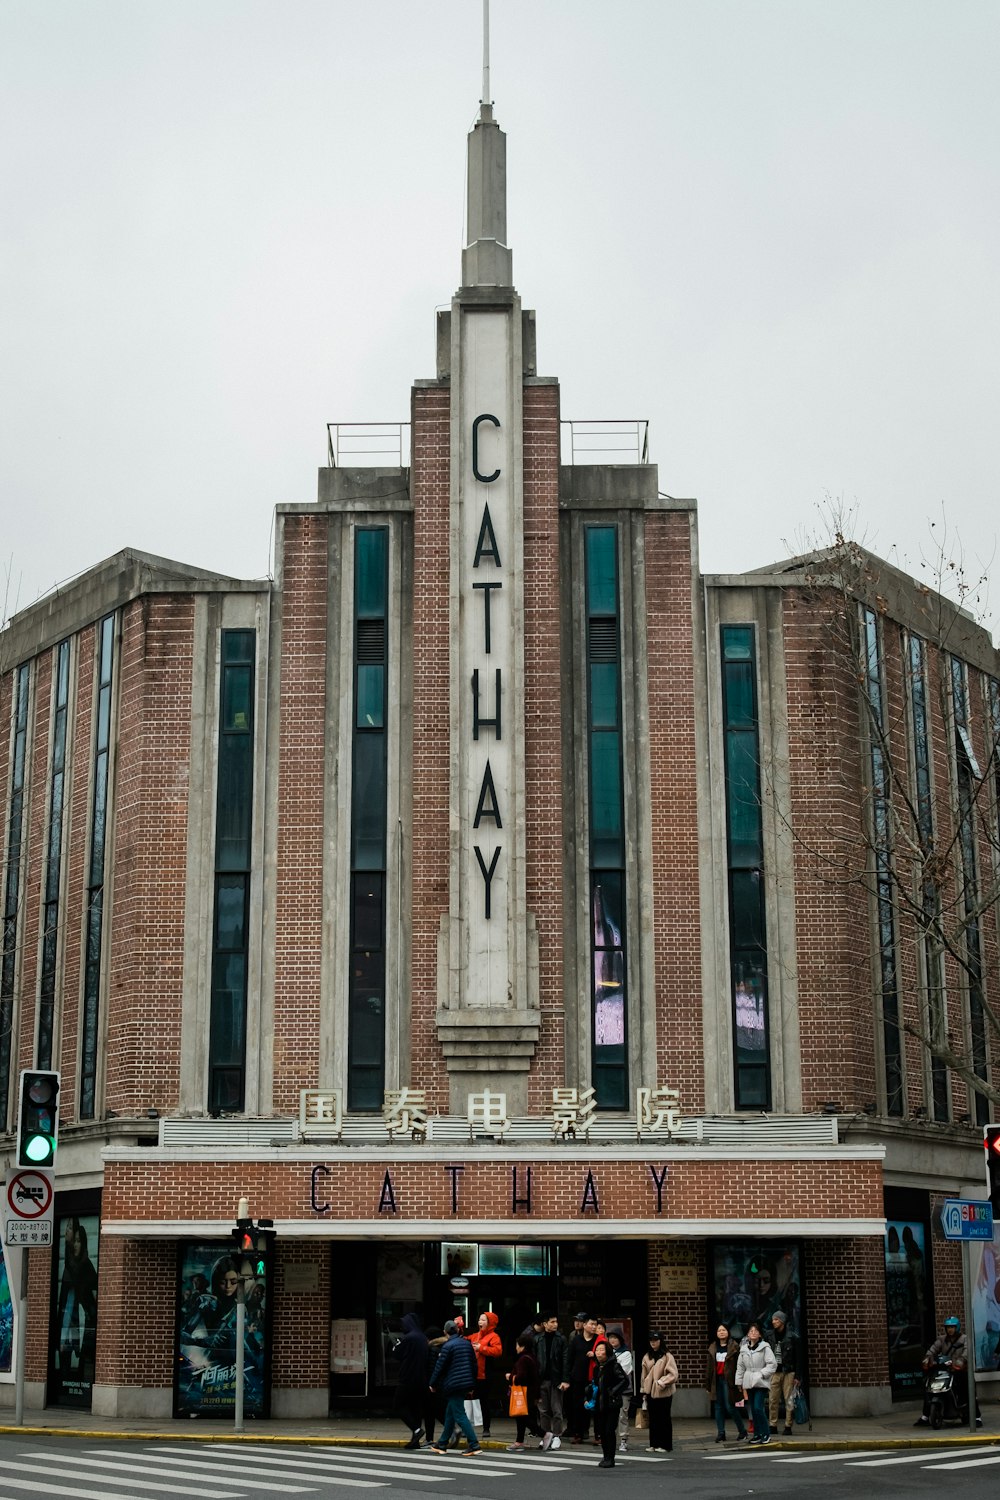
412	1351
612	1388
455	1377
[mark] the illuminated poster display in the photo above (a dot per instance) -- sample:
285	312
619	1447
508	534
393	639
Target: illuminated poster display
74	1310
906	1303
205	1364
6	1320
986	1303
752	1281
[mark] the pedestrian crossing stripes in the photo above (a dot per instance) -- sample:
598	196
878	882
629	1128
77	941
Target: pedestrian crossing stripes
944	1459
152	1471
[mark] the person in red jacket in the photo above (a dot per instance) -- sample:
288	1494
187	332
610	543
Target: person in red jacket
486	1342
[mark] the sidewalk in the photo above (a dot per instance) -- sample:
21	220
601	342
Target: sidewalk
895	1430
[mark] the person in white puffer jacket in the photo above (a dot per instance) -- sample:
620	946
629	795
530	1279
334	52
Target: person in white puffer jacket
754	1368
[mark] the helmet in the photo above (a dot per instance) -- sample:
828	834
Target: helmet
952	1323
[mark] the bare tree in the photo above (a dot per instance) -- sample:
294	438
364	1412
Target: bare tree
923	852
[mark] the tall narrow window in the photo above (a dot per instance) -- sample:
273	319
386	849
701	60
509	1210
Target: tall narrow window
892	1048
744	831
53	860
967	774
94	925
930	900
366	987
607	820
12	885
231	924
994	748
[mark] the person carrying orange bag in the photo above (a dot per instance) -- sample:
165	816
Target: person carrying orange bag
524	1382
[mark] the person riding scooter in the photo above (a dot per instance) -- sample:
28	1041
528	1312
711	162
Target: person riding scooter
949	1352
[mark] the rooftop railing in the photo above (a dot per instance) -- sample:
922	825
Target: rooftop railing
387	444
612	441
365	445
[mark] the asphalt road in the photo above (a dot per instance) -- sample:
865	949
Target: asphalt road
144	1470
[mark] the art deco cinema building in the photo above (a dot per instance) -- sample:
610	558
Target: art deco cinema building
469	899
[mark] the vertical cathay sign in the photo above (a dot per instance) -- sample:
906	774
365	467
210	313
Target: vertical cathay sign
488	557
489	551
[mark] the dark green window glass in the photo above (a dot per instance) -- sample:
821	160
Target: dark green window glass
371	696
743	798
607	841
609	1011
53	867
737	643
745	857
370	574
879	811
94	929
741	706
366	983
368	821
237	697
602	571
604	695
233	854
233	826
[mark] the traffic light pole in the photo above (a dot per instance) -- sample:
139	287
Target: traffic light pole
22	1340
970	1332
241	1323
242	1212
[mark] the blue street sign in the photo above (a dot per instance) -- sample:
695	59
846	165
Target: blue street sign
966	1219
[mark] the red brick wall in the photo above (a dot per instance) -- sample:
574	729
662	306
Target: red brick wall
835	983
150	855
138	1284
682	1317
676	911
429	488
625	1190
542	731
36	783
844	1287
301	1356
298	886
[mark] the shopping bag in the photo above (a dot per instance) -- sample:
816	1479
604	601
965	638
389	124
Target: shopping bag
801	1408
641	1418
474	1412
518	1401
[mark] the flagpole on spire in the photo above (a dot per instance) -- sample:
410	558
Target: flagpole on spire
486	100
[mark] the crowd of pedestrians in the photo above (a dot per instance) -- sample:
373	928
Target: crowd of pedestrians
586	1386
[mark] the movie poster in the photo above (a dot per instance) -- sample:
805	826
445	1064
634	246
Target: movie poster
752	1281
906	1303
986	1303
6	1320
74	1310
206	1337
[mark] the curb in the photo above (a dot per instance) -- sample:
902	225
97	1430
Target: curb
806	1445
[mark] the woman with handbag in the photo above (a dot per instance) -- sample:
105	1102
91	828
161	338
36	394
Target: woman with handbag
523	1382
754	1368
611	1387
658	1384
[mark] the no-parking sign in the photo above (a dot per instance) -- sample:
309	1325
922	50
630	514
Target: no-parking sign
28	1208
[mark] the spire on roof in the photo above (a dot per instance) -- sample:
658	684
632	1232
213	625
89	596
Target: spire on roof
486	260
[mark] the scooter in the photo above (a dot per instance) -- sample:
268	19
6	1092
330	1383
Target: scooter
940	1394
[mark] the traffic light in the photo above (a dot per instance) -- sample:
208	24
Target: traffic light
263	1257
38	1120
991	1140
244	1242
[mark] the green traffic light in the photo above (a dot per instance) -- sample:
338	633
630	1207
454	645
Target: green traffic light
38	1149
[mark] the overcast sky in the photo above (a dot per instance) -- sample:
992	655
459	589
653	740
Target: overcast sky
771	227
